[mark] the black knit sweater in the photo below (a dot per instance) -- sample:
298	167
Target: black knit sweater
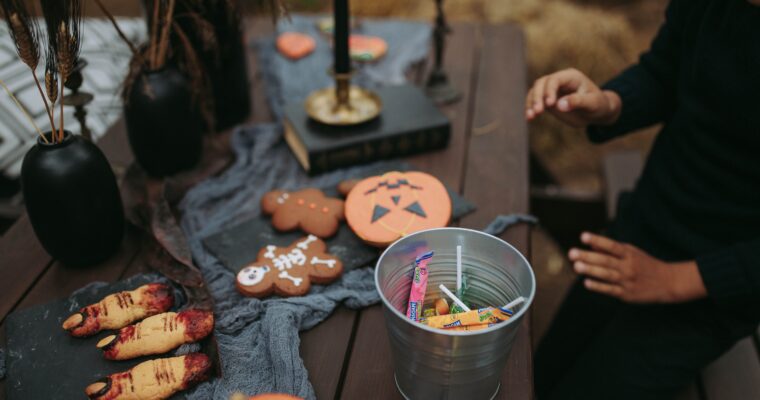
700	191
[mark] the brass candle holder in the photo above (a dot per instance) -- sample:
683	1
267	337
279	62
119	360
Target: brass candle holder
344	104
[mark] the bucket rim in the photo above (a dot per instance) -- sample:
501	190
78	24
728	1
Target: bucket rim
502	325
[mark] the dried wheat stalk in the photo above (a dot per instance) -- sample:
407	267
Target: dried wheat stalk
165	30
63	19
25	35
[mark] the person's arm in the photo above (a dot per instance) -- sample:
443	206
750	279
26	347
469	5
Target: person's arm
732	275
647	90
729	276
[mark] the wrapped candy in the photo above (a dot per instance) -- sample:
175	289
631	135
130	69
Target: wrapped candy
419	286
488	315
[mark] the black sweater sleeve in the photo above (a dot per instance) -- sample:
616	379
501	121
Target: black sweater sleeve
732	275
648	89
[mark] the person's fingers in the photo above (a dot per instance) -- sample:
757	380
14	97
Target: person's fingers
538	95
599	272
581	101
603	288
552	86
593	257
529	113
602	243
568	80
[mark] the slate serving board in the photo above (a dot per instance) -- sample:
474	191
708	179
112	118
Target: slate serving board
239	245
45	362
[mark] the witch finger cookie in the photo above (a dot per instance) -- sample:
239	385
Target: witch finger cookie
289	271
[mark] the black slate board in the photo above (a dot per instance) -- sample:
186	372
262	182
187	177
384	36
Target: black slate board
239	245
45	362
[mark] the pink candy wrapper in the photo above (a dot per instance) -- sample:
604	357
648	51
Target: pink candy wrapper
419	286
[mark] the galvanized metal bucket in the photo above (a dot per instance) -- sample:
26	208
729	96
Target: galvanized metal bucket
436	364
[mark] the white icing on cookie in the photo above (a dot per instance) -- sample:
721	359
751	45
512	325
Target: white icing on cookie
253	275
304	244
285	275
270	251
316	261
296	257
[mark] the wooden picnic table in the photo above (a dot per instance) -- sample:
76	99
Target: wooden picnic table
348	355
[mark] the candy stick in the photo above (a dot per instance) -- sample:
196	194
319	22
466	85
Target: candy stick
459	269
453	298
514	303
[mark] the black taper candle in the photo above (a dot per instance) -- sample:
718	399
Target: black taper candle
340	38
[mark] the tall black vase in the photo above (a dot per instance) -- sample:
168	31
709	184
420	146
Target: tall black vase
164	124
72	200
229	74
226	66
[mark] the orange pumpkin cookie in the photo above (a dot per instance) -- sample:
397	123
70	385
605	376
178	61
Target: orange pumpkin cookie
294	45
289	271
367	48
382	209
308	210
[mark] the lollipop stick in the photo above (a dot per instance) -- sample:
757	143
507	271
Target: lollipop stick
514	302
459	269
453	298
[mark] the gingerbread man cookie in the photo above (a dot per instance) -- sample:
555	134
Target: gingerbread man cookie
307	209
289	271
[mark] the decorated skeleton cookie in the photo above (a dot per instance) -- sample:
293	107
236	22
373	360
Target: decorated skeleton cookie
289	271
308	210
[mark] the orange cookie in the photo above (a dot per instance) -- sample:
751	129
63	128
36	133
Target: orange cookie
382	209
294	45
367	48
289	271
344	188
308	210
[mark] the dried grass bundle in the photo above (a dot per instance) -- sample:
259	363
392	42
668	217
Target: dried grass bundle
26	36
63	19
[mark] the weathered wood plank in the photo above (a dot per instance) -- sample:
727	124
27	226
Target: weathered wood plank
496	178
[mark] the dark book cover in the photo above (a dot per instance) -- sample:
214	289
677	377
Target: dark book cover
409	123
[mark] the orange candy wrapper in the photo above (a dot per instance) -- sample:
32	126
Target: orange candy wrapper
470	327
441	307
483	316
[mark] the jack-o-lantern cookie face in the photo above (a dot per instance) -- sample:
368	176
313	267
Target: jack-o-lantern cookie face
382	209
289	271
308	210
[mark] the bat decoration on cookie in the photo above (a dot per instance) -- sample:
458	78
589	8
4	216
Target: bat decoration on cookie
308	210
118	310
289	271
152	380
158	334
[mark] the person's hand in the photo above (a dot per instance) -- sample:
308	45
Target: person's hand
626	272
573	98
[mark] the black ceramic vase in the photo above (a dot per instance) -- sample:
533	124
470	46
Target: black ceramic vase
164	124
229	73
72	200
